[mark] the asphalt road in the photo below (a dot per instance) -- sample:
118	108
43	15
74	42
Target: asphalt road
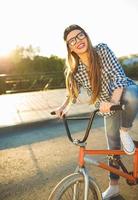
34	159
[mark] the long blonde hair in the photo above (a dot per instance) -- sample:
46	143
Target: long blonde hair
94	68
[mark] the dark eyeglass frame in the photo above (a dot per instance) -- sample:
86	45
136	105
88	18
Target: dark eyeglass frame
75	39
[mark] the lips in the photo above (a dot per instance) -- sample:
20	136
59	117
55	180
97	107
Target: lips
81	45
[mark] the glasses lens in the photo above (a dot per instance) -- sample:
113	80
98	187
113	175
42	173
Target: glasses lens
72	42
81	36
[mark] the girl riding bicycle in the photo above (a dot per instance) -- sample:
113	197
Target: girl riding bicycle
98	71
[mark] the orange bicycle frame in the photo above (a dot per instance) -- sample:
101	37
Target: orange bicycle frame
132	177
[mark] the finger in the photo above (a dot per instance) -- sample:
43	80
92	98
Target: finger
59	114
64	113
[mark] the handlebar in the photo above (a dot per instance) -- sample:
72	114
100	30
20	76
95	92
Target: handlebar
90	118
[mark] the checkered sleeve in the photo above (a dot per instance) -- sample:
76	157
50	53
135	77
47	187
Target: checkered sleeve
117	75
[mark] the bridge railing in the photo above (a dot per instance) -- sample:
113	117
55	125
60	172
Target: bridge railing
30	82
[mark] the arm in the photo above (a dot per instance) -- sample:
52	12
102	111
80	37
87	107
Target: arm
65	103
60	111
117	74
115	99
116	96
118	79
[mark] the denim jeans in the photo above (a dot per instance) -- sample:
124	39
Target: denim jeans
123	118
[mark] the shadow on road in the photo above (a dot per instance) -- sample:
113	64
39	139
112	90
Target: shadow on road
15	137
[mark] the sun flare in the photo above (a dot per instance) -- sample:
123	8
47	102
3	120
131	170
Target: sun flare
32	22
5	50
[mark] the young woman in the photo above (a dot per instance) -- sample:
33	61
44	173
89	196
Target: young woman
98	71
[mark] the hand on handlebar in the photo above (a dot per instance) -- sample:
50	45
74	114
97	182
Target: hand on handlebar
60	112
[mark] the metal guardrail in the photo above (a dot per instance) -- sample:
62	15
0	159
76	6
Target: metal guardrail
30	82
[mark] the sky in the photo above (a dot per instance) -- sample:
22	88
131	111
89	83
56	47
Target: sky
41	23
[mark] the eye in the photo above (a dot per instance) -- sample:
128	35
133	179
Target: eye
81	35
72	41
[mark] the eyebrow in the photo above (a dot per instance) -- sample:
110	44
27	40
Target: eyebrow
74	36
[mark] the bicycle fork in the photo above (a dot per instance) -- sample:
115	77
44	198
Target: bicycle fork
86	183
81	169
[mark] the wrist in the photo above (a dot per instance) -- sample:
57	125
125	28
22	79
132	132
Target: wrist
115	102
62	107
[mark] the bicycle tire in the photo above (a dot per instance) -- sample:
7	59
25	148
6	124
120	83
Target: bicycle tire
64	189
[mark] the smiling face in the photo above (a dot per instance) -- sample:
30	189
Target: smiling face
77	41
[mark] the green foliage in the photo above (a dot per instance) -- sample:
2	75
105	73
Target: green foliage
130	69
21	52
37	71
30	71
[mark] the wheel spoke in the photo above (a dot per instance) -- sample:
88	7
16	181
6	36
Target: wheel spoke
73	187
79	192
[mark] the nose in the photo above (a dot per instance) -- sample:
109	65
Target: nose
77	40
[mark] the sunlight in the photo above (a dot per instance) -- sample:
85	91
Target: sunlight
5	51
8	111
20	25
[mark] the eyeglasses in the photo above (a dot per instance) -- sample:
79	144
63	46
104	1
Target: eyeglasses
79	36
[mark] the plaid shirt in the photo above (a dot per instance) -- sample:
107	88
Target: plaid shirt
112	75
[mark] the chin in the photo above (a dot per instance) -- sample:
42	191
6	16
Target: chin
81	51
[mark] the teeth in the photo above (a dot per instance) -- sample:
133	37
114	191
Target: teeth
81	46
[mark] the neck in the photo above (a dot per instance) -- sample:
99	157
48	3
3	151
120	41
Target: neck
84	58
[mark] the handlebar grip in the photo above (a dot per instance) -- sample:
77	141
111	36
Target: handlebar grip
117	107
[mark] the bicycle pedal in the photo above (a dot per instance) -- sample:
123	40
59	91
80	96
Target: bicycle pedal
131	182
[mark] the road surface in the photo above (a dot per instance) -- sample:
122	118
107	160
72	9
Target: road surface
33	160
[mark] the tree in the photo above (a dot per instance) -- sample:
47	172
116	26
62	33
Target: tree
21	52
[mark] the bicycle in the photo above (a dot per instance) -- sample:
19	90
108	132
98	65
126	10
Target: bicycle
79	185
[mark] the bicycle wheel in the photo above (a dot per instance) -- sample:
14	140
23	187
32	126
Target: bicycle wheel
65	189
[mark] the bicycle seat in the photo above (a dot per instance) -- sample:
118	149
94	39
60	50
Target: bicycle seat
136	143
